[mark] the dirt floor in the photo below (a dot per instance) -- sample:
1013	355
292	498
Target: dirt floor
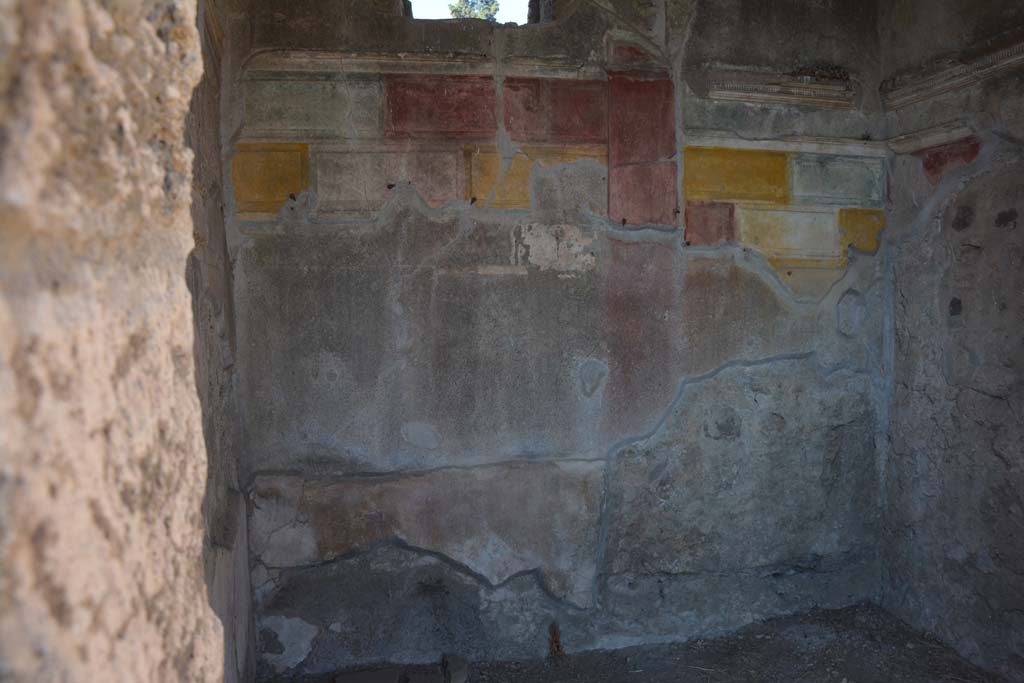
861	644
853	645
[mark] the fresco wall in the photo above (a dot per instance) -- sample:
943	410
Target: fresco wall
586	323
513	353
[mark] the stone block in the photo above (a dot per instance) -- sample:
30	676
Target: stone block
498	521
266	174
347	108
836	180
861	229
710	223
713	173
643	194
361	180
641	119
445	106
510	181
939	160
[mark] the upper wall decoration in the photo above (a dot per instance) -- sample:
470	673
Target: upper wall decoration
352	136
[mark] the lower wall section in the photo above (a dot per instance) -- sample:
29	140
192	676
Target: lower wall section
755	496
496	522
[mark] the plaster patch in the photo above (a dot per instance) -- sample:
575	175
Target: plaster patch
421	435
294	641
563	248
850	312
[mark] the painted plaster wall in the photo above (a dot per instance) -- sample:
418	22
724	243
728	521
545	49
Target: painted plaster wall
954	513
519	346
915	32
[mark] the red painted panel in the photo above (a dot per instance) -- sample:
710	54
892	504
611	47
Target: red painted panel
555	110
526	110
630	54
941	159
440	105
642	125
642	324
643	193
579	111
710	223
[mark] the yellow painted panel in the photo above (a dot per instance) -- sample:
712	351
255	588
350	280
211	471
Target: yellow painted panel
512	190
802	234
264	174
861	228
736	175
810	278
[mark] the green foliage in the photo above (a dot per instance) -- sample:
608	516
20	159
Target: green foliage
474	9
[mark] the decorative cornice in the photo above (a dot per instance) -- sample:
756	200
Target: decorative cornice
753	87
906	90
305	62
930	137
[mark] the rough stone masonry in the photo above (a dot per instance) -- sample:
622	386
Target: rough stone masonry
648	320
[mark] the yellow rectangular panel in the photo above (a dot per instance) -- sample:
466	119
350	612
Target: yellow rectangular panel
265	174
484	167
736	175
809	277
790	233
861	228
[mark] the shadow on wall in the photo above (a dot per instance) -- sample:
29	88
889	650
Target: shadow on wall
225	550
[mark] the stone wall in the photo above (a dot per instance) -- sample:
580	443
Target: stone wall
103	464
517	345
209	278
